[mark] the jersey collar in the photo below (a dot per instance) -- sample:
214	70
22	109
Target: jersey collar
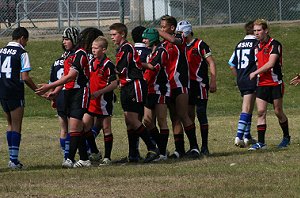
15	44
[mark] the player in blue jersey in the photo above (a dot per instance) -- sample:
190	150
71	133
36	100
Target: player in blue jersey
140	47
15	67
242	63
57	71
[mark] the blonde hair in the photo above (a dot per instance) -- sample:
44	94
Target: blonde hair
262	22
102	41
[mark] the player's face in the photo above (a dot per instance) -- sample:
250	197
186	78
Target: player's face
116	37
260	33
23	41
97	49
147	42
67	44
165	27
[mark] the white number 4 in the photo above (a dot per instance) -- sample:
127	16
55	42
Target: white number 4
6	67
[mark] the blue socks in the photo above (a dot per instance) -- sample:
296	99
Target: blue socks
65	145
244	125
13	142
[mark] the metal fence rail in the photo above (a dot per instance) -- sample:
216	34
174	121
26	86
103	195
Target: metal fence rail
51	16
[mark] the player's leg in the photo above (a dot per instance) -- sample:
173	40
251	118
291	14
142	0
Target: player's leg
149	122
97	126
247	108
201	109
161	111
189	126
282	118
108	140
64	135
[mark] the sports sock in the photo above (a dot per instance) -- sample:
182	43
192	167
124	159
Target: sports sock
242	124
164	137
82	146
9	139
67	146
108	142
204	134
248	127
74	143
91	141
132	142
15	145
144	134
179	143
261	130
95	131
62	142
190	131
154	133
285	128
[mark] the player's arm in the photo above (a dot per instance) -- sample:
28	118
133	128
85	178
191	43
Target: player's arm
43	88
213	74
148	66
110	87
232	65
170	38
28	80
296	80
270	64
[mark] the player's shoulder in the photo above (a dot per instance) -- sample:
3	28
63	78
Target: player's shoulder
275	42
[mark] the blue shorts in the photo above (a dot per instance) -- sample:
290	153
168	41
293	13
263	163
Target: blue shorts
11	104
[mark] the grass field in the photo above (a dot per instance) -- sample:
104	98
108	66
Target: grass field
228	172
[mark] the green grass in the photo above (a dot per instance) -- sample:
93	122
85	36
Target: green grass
229	172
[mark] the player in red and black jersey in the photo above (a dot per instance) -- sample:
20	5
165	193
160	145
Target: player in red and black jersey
178	73
200	59
133	92
75	82
103	81
158	91
15	67
270	84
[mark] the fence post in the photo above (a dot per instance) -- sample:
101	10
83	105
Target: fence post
69	14
229	11
200	13
153	10
98	11
121	10
280	11
60	15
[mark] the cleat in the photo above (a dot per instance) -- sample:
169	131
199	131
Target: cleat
204	151
82	163
151	155
14	166
285	142
161	158
239	142
67	163
249	142
193	153
105	162
95	157
257	146
176	155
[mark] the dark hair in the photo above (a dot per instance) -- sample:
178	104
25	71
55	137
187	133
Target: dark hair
169	19
249	27
86	38
19	33
120	28
136	34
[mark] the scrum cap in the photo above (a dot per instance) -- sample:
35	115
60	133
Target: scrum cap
185	27
71	33
151	34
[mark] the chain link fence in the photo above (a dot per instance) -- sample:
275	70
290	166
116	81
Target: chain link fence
52	16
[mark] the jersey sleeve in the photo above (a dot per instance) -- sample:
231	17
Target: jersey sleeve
80	59
204	49
112	70
25	63
276	48
232	60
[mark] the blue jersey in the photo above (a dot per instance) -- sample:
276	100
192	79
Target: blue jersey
143	51
13	61
57	71
243	59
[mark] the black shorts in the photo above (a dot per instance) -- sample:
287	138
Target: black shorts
176	92
75	103
246	92
270	93
11	104
133	99
97	115
154	99
198	91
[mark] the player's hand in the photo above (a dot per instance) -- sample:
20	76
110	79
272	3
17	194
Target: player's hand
252	75
296	80
95	95
212	87
42	89
51	95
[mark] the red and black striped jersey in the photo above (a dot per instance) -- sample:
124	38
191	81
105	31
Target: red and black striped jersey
178	71
197	51
77	60
128	64
273	76
157	79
